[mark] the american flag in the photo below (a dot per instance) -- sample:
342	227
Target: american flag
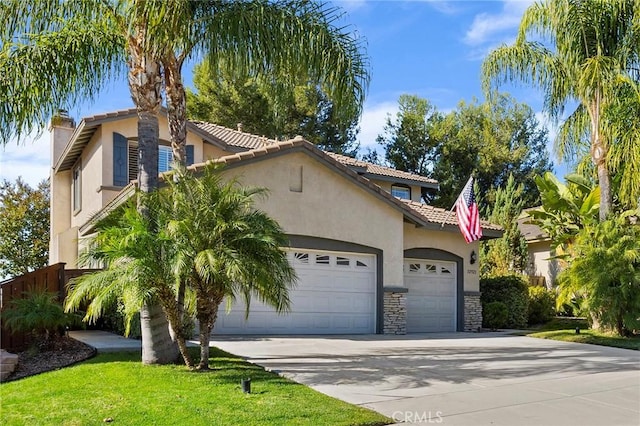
467	213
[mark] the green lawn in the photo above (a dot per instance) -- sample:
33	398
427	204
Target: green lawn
117	386
565	329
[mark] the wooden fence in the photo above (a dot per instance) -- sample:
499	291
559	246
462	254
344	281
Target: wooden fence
537	281
51	279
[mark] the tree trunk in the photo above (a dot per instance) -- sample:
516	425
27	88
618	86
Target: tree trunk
144	84
605	190
176	108
157	346
207	313
176	322
599	157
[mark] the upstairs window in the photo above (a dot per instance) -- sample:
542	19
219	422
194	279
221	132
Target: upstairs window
125	159
401	191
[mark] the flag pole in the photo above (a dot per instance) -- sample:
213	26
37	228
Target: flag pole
448	214
456	202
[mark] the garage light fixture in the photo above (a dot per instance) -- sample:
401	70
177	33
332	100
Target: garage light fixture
473	257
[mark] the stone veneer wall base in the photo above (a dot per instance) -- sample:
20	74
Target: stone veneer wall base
395	310
472	311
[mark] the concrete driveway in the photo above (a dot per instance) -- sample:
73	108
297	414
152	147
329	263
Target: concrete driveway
461	378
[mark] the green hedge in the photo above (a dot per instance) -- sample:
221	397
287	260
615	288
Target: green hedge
495	315
512	290
542	304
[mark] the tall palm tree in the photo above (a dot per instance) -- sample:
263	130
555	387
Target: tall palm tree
280	43
590	45
137	257
226	248
57	53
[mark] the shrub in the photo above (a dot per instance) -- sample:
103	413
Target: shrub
512	290
41	314
542	304
604	274
495	315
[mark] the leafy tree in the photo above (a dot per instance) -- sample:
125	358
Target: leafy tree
604	273
566	209
508	254
24	227
280	42
593	43
409	141
305	111
137	256
226	248
492	140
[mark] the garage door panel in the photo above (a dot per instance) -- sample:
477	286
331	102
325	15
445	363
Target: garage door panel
335	294
431	295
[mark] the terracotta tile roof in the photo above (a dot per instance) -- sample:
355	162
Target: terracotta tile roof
377	170
531	231
438	215
233	137
250	141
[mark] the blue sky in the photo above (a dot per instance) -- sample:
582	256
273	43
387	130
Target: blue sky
433	49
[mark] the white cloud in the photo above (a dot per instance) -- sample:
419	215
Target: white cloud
487	27
350	5
30	159
444	7
372	123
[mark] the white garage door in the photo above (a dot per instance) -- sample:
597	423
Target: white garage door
431	299
335	294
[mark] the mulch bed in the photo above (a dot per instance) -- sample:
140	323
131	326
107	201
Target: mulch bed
65	352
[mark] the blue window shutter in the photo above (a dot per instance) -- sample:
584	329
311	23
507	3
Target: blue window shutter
120	160
189	155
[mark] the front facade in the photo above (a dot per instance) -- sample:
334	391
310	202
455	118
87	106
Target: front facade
542	268
370	257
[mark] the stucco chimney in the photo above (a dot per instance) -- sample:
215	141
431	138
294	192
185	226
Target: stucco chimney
239	127
62	243
61	128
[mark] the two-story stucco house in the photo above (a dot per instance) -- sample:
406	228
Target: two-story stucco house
370	257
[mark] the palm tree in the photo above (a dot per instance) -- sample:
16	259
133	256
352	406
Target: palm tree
58	53
594	43
226	248
137	258
281	43
604	274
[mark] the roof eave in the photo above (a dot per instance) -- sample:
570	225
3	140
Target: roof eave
385	178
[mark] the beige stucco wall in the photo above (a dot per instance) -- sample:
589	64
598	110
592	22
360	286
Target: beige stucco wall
539	263
59	211
452	242
64	248
97	164
91	180
211	152
329	206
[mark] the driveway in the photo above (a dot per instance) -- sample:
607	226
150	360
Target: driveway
461	378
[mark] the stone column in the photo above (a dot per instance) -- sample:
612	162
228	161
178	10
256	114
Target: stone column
472	311
395	310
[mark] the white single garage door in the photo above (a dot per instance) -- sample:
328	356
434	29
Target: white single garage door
431	296
335	294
